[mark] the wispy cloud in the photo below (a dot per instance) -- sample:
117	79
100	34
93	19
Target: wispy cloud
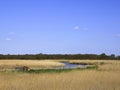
118	35
85	29
11	33
9	36
76	28
8	39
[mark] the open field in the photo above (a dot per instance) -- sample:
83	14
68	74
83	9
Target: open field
105	78
74	80
108	65
34	64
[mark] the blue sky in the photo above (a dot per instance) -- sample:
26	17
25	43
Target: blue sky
59	26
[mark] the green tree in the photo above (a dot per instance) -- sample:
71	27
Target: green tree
112	56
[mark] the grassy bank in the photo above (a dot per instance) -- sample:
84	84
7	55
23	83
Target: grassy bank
49	71
32	64
61	70
106	77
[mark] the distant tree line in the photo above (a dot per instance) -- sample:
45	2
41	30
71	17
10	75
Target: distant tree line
61	56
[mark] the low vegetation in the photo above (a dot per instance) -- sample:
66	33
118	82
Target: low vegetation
74	80
104	77
32	64
108	65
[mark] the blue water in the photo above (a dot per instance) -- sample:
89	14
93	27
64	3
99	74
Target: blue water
70	66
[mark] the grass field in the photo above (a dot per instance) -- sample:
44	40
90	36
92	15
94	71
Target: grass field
34	64
105	78
106	65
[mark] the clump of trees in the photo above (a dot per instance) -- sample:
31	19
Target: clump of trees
61	56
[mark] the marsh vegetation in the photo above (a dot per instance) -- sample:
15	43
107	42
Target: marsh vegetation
105	77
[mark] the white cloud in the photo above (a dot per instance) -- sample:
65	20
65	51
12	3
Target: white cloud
76	27
8	39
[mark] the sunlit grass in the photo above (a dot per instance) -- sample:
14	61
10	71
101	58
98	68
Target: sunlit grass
33	64
74	80
106	77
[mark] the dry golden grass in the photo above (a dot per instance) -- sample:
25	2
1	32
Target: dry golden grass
74	80
106	78
34	64
109	65
93	61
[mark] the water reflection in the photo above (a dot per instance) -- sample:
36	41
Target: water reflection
70	65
